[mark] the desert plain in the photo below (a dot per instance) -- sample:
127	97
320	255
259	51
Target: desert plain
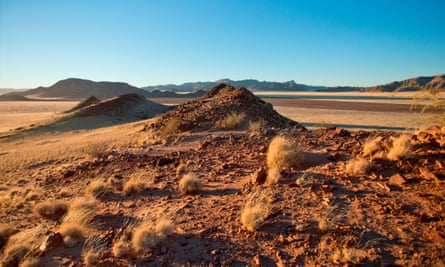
350	183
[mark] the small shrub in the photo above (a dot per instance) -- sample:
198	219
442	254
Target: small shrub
98	189
357	166
72	233
148	236
181	169
51	209
233	120
282	153
324	225
348	256
401	148
82	212
97	150
189	184
257	125
134	186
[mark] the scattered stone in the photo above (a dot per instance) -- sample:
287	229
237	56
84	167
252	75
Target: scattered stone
427	174
52	241
259	176
397	179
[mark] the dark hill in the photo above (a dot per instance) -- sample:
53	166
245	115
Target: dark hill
414	84
87	102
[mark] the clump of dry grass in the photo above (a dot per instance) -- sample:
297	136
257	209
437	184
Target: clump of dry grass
81	211
372	146
148	236
324	225
189	183
30	261
98	189
348	256
233	120
97	150
90	257
72	233
121	248
401	148
257	125
170	128
256	209
181	169
134	186
5	232
51	209
357	166
282	153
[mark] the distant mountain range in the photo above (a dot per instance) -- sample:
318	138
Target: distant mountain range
73	88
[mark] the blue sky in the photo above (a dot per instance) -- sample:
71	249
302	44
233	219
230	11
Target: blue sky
174	41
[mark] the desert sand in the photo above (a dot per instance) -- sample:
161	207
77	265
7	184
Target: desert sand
349	199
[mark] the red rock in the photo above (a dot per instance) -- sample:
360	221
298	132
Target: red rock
427	174
397	179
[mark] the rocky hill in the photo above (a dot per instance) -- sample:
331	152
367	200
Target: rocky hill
208	111
431	82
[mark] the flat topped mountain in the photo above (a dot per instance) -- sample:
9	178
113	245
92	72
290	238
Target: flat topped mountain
210	110
79	88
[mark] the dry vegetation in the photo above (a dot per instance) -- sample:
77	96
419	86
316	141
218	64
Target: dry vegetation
401	148
233	120
51	209
150	235
189	183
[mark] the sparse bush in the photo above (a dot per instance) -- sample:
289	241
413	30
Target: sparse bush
189	183
90	257
134	186
233	120
401	148
282	153
51	209
14	254
72	233
257	125
324	225
98	189
148	236
357	166
348	256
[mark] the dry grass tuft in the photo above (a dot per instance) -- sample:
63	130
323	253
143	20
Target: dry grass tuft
98	189
401	148
282	153
357	166
257	125
90	257
5	232
256	209
82	212
121	248
97	150
189	183
348	256
30	261
170	128
233	120
372	146
72	233
324	225
134	186
148	236
51	209
181	169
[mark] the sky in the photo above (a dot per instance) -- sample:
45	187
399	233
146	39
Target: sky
151	42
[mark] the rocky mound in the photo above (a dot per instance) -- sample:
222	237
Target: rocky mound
208	111
87	102
124	105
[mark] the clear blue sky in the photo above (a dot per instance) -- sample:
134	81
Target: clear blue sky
174	41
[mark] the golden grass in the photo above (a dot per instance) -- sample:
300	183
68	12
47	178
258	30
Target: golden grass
282	153
401	148
372	146
53	209
82	212
233	120
189	183
98	189
90	257
255	210
170	128
72	233
134	186
121	248
357	166
257	125
148	236
14	254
